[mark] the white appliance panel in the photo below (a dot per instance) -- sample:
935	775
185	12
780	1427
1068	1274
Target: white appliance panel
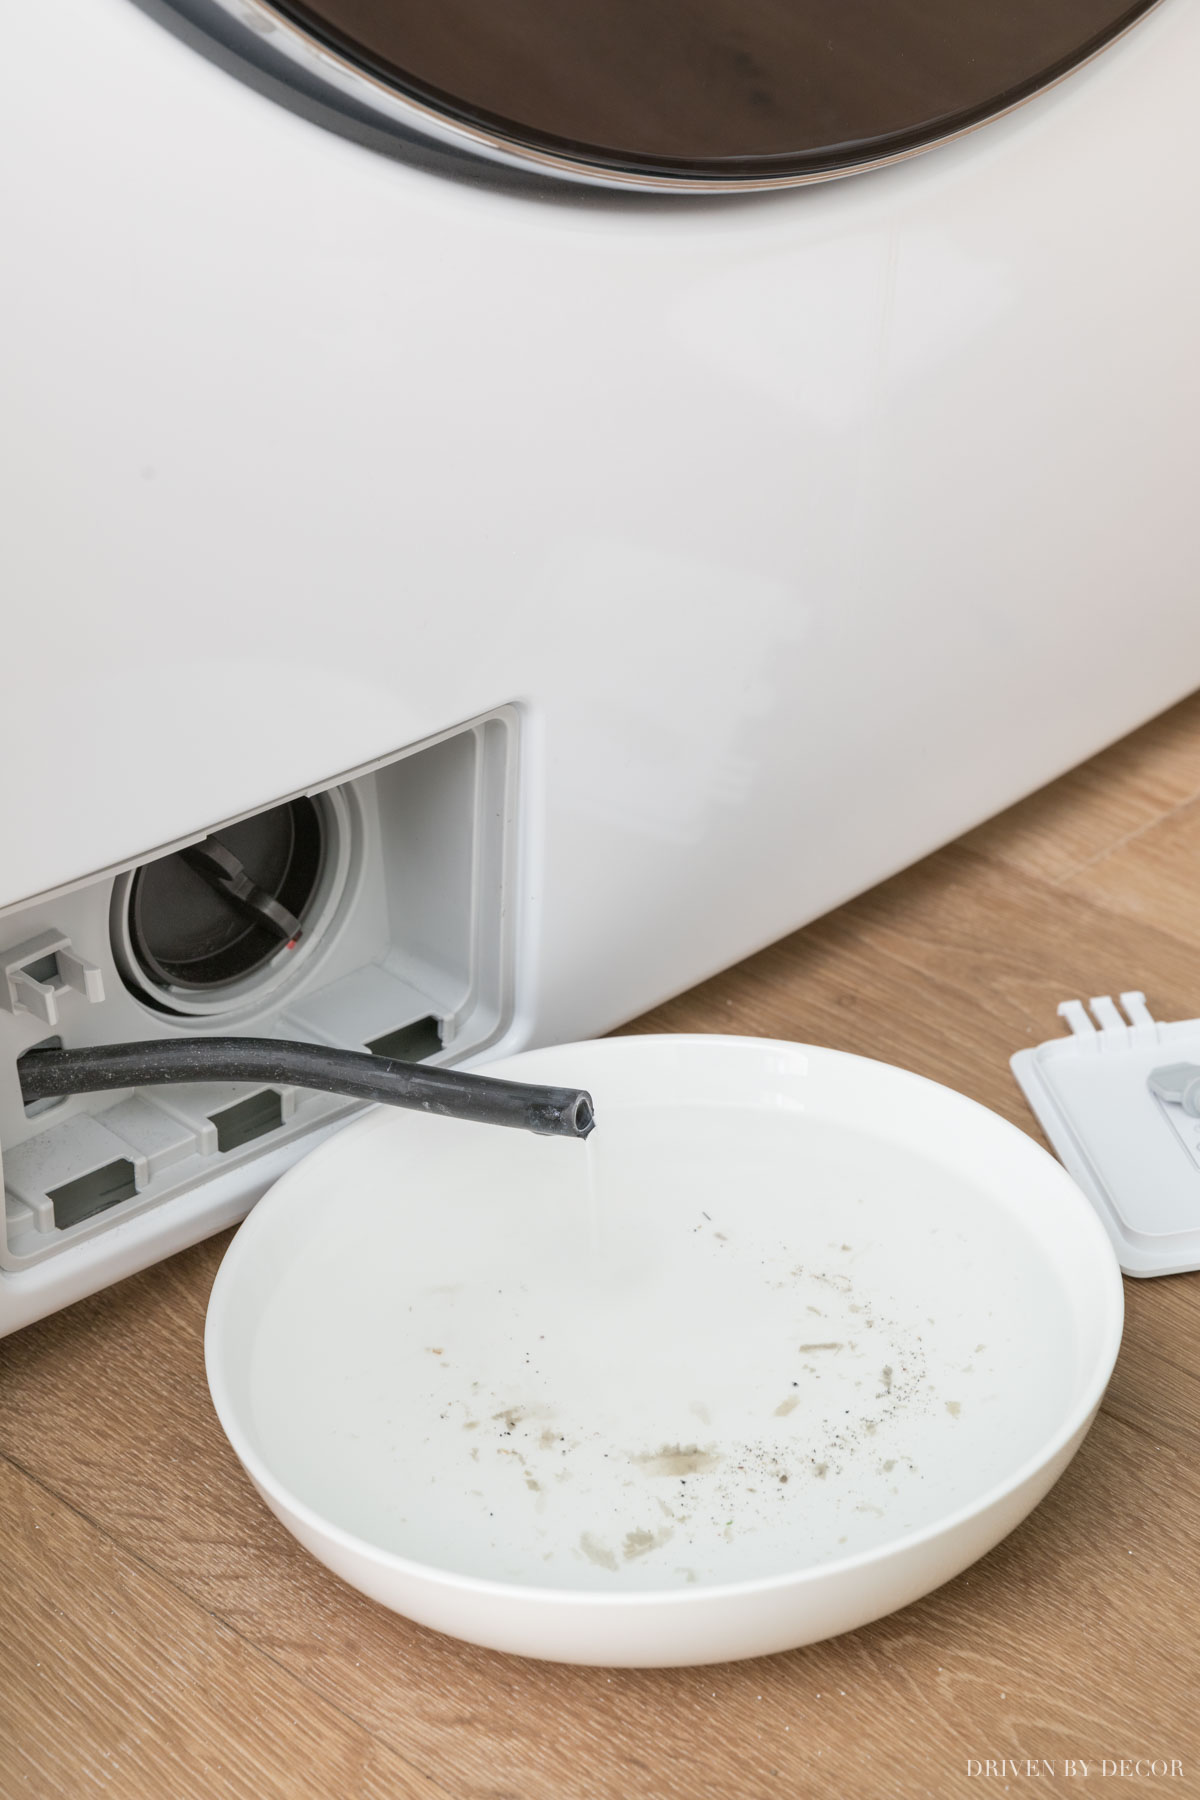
801	531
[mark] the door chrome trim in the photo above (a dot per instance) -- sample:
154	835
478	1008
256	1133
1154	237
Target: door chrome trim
263	21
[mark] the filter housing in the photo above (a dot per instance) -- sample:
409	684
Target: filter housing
402	947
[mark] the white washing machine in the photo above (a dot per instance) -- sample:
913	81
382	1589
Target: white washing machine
469	470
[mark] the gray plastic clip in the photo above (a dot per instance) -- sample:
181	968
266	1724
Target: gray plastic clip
38	971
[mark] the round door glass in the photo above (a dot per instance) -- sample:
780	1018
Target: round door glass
734	89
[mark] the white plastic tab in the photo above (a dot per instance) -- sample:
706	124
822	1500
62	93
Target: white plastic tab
1121	1106
1076	1015
1105	1013
1136	1010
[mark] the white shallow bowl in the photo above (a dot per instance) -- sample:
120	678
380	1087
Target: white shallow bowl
792	1340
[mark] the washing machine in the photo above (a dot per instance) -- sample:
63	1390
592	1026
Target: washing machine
548	499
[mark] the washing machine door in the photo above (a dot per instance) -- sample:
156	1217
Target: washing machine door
700	94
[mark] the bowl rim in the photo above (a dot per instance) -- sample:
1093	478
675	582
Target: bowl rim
1073	1426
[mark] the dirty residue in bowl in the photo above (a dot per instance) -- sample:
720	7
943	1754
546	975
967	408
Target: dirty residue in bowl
716	1382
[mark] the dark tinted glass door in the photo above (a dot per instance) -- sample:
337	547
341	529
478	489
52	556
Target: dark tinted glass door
737	88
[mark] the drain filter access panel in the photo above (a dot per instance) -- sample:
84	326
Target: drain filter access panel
370	914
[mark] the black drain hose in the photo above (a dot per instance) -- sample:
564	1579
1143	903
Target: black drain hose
549	1111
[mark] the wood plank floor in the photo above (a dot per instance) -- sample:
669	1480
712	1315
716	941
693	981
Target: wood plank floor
162	1638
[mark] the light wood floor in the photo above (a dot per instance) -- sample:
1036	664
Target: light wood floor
161	1636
